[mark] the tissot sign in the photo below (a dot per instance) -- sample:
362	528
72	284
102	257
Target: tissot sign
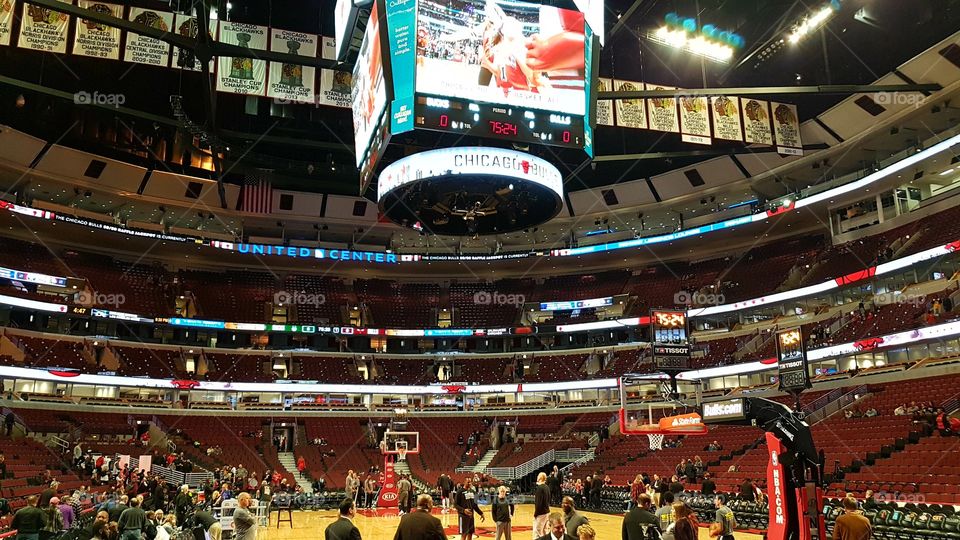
447	162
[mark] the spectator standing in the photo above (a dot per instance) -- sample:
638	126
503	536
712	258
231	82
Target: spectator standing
244	522
852	525
541	503
29	520
502	511
343	528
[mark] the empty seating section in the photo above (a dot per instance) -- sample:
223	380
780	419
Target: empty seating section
556	367
335	370
151	362
513	454
399	305
717	352
331	294
44	353
349	447
653	287
484	370
439	451
599	285
236	437
138	288
880	321
762	269
468	312
936	230
404	371
239	296
239	367
930	467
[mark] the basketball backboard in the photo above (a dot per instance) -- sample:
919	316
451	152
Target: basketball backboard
400	443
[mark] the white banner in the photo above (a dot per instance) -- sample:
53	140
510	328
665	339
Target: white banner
95	39
292	82
604	106
631	113
243	75
187	26
695	120
726	118
663	111
43	29
146	50
335	86
6	21
756	121
786	129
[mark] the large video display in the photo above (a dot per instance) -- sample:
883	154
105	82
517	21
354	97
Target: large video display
369	97
502	52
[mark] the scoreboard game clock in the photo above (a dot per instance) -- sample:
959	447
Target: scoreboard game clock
671	340
792	367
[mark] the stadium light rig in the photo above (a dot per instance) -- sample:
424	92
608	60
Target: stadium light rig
813	22
709	41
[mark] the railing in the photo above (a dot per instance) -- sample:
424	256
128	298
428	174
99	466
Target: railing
823	400
573	455
588	455
60	443
837	404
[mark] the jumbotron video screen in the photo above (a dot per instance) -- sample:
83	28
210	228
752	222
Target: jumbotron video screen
515	54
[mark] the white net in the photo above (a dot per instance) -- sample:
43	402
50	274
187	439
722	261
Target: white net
401	447
656	441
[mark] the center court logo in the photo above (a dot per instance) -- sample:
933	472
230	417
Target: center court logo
496	298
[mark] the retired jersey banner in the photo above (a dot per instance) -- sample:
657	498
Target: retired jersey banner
604	106
631	113
786	129
662	111
95	39
756	121
43	29
243	75
292	82
335	86
726	118
695	119
6	21
146	50
188	26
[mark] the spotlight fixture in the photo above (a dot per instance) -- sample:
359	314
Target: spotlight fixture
709	41
813	22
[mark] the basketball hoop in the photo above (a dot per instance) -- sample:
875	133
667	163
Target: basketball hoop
656	441
401	454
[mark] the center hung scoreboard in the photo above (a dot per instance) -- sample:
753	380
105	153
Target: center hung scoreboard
518	72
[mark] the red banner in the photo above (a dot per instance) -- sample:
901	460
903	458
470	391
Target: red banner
776	495
388	493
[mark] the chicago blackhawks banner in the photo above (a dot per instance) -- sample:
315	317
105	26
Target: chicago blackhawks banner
146	50
662	111
631	113
243	75
756	121
695	120
335	86
43	29
188	26
292	82
94	39
6	20
726	118
786	129
604	106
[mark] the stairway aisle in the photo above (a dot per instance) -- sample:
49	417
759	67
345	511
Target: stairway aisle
485	461
289	462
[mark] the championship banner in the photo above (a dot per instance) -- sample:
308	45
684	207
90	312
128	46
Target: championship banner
726	118
663	111
6	21
188	26
776	491
292	82
786	129
631	113
335	86
146	50
756	121
695	120
43	29
388	497
604	106
97	40
243	75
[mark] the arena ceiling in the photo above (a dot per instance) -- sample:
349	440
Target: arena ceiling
305	146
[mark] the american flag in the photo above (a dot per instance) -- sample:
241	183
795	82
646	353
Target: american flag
257	195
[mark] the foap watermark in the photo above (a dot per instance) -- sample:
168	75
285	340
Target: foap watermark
901	299
96	299
496	298
899	497
686	298
284	298
899	98
96	98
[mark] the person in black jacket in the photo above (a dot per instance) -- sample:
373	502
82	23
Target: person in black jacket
502	511
675	486
343	528
419	524
595	491
638	519
553	482
747	491
708	487
541	506
558	529
466	505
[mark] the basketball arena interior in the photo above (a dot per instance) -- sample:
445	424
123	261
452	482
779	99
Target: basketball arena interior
695	261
